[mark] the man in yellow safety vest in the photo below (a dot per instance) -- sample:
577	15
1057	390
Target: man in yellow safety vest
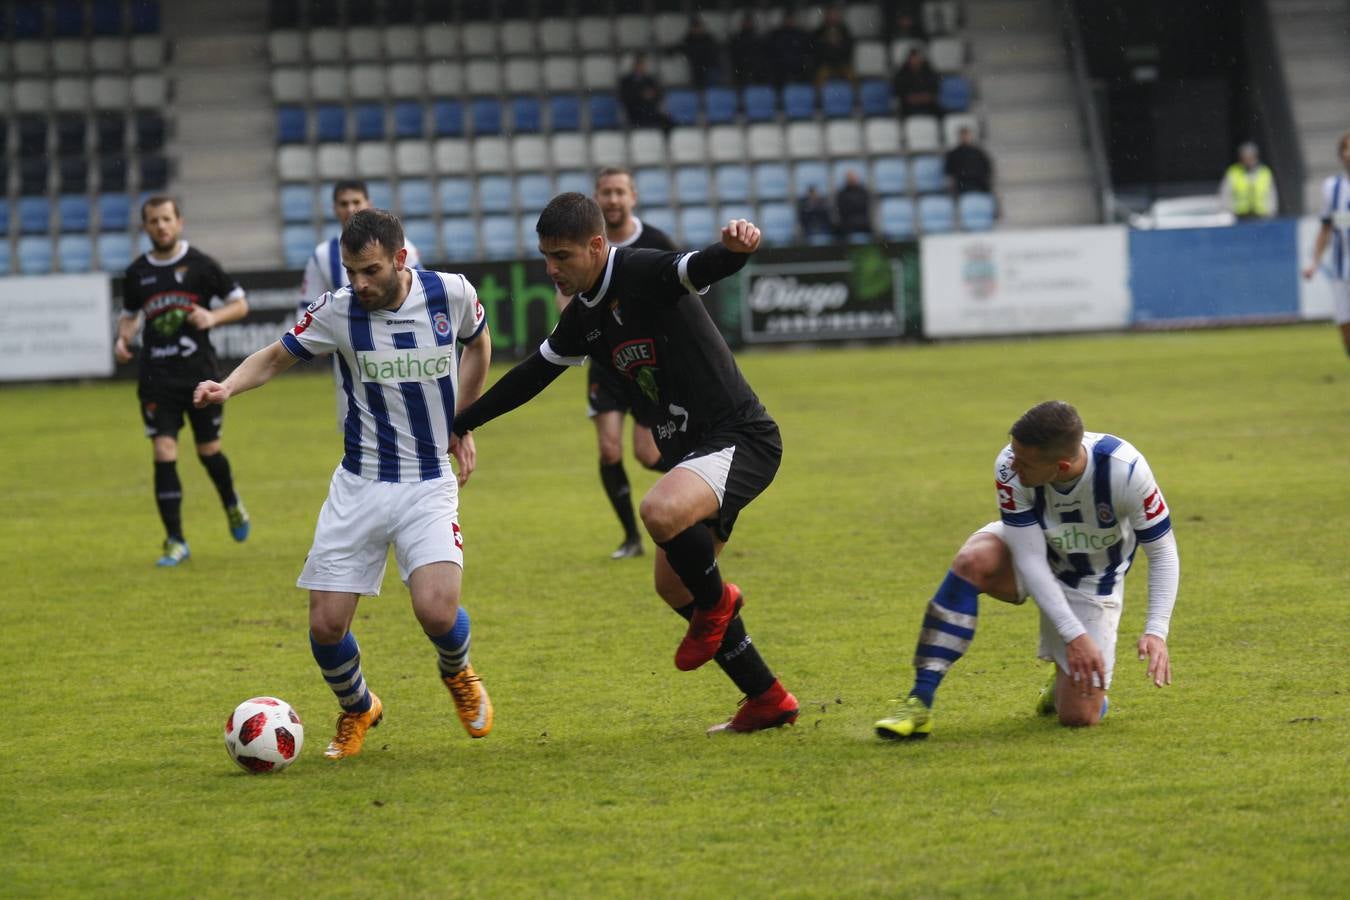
1248	187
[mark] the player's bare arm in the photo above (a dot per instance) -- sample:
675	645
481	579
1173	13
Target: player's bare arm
257	370
1154	649
232	311
1319	247
127	326
474	360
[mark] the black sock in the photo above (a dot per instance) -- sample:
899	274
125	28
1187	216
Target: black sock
694	558
739	657
615	480
218	467
169	496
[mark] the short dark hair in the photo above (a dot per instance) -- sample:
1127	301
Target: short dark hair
571	217
607	171
372	225
1053	426
351	184
160	200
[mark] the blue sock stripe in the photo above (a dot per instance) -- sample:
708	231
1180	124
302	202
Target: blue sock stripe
458	635
934	652
335	656
948	628
933	624
926	681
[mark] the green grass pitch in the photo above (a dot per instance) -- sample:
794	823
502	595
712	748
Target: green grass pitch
598	779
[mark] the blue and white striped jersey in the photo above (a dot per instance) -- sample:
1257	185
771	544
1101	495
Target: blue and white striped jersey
398	372
1336	213
324	272
1093	529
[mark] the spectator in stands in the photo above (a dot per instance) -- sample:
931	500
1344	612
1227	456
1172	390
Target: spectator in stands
703	52
792	53
749	53
853	206
968	167
1248	188
834	47
813	215
907	23
917	84
641	95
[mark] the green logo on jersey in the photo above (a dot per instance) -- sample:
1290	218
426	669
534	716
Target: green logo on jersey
170	322
646	379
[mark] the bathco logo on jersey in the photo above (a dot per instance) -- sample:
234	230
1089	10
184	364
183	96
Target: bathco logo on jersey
415	364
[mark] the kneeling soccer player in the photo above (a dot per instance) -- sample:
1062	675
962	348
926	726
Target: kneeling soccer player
1073	509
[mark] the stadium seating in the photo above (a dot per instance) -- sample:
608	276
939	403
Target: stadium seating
976	211
937	214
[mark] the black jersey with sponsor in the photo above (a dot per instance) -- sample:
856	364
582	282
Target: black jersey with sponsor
164	292
643	322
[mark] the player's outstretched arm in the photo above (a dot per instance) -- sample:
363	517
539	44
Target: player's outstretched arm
1319	247
725	258
513	389
1164	578
741	236
253	372
232	311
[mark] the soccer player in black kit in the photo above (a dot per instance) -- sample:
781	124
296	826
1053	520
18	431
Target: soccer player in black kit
171	287
638	313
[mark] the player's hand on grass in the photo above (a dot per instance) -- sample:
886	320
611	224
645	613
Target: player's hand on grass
740	236
209	392
463	450
1154	649
200	318
1086	665
121	352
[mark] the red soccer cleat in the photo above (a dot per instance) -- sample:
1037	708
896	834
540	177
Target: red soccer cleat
771	709
707	627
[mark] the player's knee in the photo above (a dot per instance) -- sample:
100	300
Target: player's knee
978	565
660	516
327	627
1073	715
610	452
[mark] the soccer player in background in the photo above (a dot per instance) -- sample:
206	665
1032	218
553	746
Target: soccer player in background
609	396
323	270
1335	231
393	332
638	313
1073	509
171	288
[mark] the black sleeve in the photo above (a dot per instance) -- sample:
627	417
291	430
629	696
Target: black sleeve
218	284
132	299
513	389
713	263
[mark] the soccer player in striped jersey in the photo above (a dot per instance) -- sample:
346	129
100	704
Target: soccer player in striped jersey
393	332
1336	232
1074	507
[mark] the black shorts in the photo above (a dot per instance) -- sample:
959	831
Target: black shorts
738	464
606	391
163	405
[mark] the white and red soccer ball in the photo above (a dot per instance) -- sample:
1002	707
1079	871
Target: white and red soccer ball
264	735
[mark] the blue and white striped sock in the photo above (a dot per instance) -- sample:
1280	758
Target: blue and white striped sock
453	646
948	629
340	664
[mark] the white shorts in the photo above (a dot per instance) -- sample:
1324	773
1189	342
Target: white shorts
1340	302
362	518
1099	615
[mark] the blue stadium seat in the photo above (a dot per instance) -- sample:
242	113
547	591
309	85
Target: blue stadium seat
422	233
381	193
114	212
456	196
564	112
494	194
32	132
149	130
875	94
111	131
733	182
810	173
29	22
74	253
74	212
697	226
500	237
778	222
575	180
719	105
771	181
526	235
836	99
68	18
107	17
112	173
936	214
4	221
369	122
292	127
653	187
486	114
927	173
662	217
297	203
414	197
330	124
459	239
682	106
799	101
760	103
728	211
890	175
896	215
71	134
154	173
977	211
604	109
840	168
73	174
35	255
34	215
145	16
408	119
954	95
533	192
526	115
114	252
448	117
4	258
297	243
691	185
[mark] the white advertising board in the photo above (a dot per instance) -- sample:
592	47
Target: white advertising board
1025	282
55	326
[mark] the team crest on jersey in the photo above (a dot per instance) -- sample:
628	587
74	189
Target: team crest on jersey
178	274
441	324
1105	516
614	310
